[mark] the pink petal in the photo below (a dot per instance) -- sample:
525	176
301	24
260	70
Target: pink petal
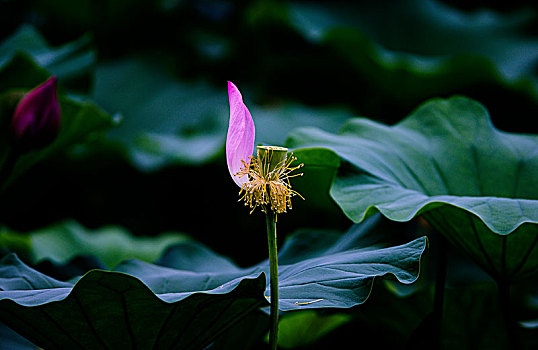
241	131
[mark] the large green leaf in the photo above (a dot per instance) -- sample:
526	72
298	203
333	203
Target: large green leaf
194	287
320	167
316	268
474	183
67	240
112	310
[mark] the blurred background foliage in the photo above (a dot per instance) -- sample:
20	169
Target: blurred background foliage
160	67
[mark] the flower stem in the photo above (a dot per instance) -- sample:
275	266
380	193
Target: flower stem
270	218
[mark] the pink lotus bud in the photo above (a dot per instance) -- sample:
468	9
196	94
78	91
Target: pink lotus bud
36	121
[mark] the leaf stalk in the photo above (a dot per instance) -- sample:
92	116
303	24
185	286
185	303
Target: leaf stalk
7	167
508	317
439	297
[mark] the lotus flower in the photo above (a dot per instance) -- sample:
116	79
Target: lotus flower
264	179
36	121
264	182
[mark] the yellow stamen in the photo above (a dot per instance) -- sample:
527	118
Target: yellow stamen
269	184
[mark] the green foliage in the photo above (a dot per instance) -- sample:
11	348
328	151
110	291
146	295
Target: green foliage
306	327
81	120
478	38
316	269
71	63
164	121
192	132
480	326
389	59
134	315
319	171
438	163
65	241
147	302
161	68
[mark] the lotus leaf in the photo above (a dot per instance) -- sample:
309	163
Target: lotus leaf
475	184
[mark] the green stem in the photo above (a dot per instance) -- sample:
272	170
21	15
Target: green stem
270	218
439	297
510	323
7	168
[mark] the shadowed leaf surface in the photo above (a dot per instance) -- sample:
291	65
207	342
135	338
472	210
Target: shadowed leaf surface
198	294
112	310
